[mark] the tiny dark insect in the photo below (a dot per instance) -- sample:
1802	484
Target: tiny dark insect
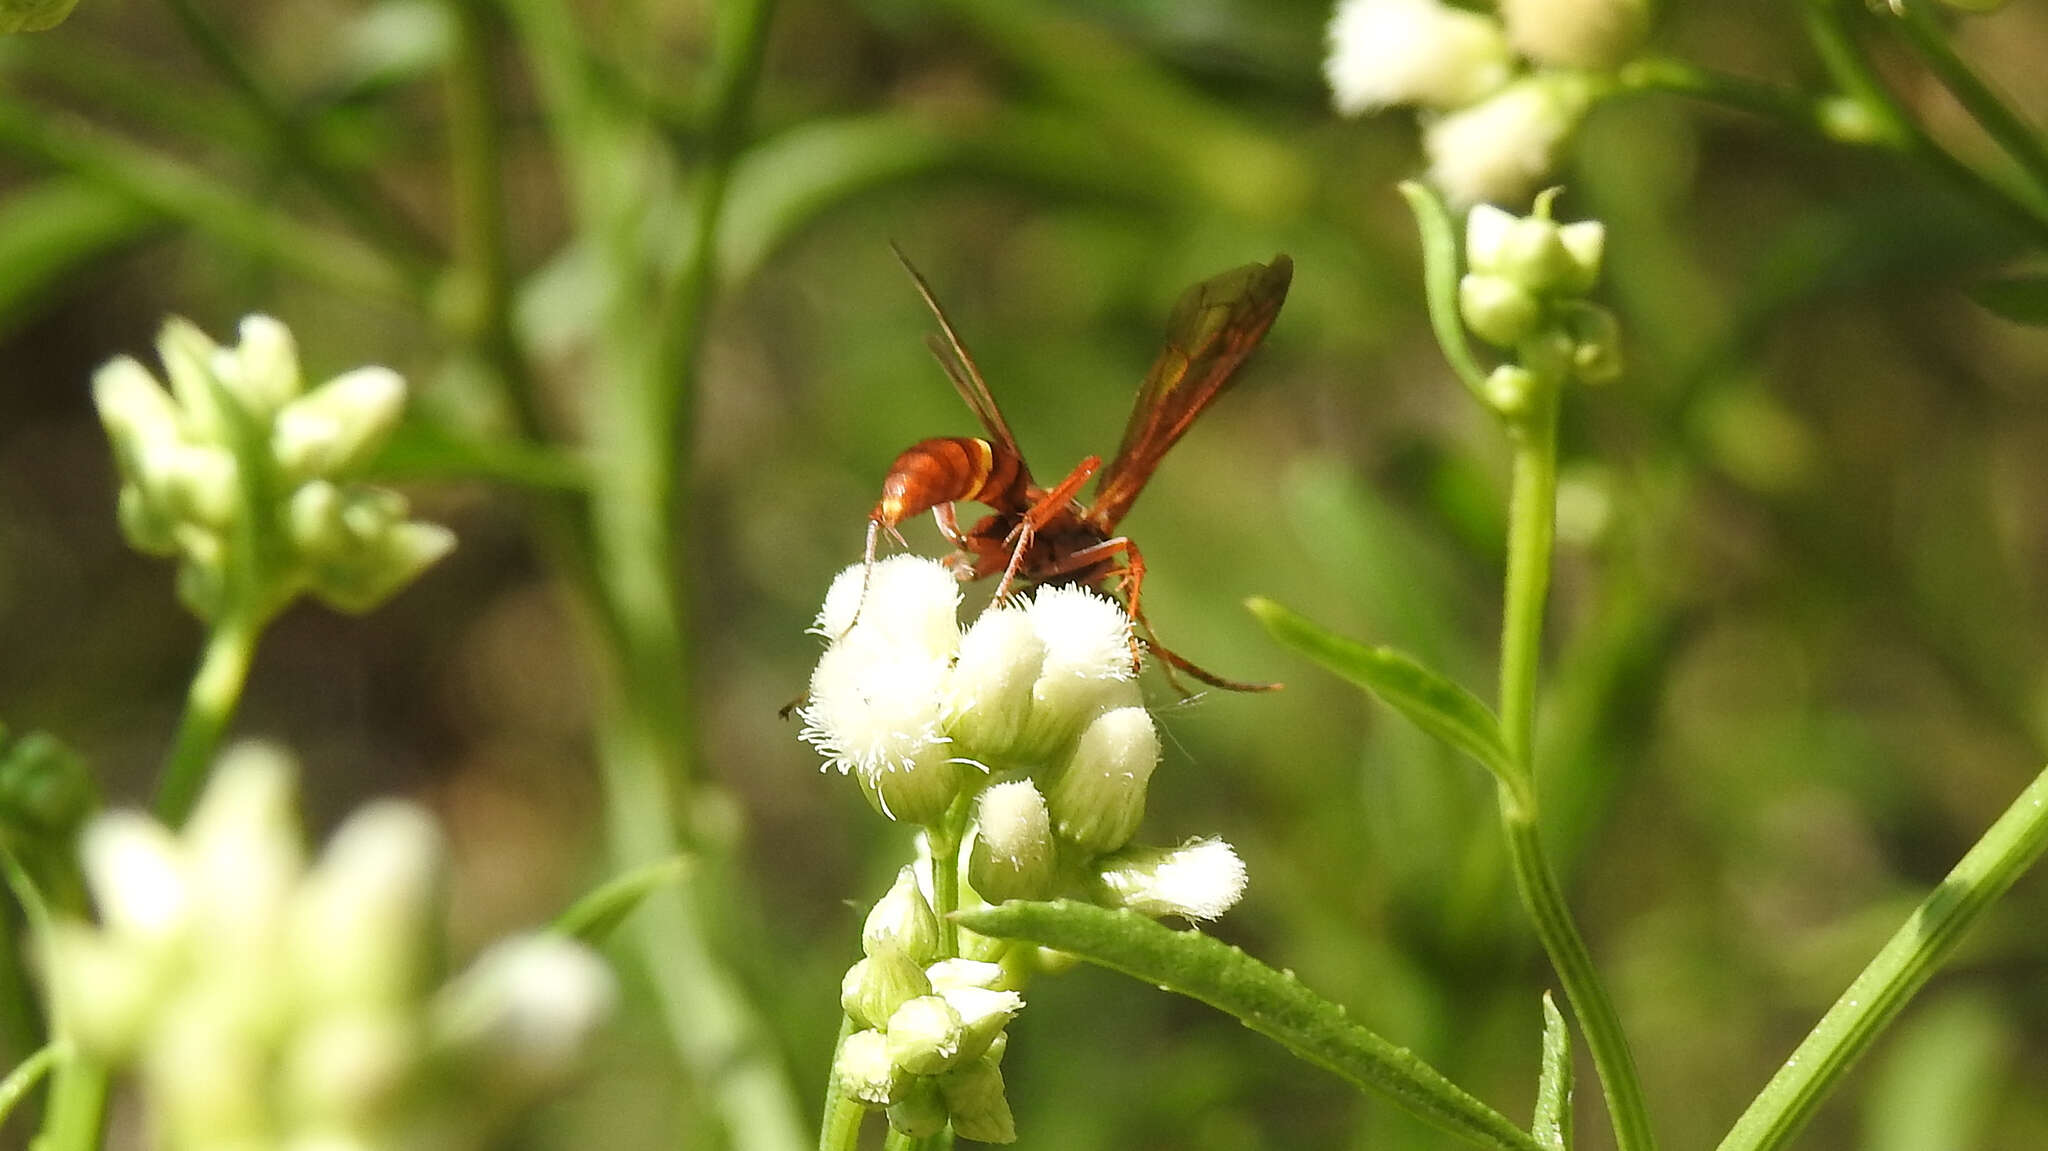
1040	535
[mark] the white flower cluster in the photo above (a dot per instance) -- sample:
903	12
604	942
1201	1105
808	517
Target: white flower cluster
1500	96
240	467
928	1040
1522	292
266	1003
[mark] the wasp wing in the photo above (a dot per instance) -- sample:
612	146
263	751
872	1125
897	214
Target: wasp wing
1216	324
959	365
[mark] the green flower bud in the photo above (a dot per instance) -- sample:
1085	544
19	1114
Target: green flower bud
382	567
133	408
1013	855
1000	659
1508	388
980	1109
339	425
1200	879
876	986
188	357
144	524
953	974
262	371
865	1070
1533	255
902	922
1596	342
199	483
920	1111
983	1015
1497	309
1585	241
925	1035
1099	797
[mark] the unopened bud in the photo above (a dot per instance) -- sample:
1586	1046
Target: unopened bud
1497	309
338	425
983	1015
525	1010
105	987
362	923
1585	241
188	355
384	566
980	1108
1099	797
1197	880
138	876
879	984
1508	388
1594	34
263	372
955	974
244	848
133	407
1013	855
902	922
347	1070
1533	255
925	1035
865	1071
1596	342
1000	658
143	523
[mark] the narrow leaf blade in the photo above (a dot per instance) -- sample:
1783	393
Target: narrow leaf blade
1553	1126
594	917
1440	265
1273	1003
2021	299
1430	701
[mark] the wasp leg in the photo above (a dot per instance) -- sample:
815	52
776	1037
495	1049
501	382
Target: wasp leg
1040	514
1133	577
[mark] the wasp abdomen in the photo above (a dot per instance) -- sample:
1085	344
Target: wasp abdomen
942	471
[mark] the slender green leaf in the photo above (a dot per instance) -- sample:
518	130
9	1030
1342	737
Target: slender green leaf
1272	1003
50	230
2021	299
420	450
1440	283
27	1074
1553	1126
594	917
33	15
1431	702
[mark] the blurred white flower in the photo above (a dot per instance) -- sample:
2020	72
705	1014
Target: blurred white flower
1503	148
1386	52
1597	34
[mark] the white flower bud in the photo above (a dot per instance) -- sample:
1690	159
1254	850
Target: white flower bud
876	986
1508	388
981	1111
197	482
1013	855
138	876
1594	34
1001	657
382	565
264	375
877	711
1201	879
920	1111
1099	797
1497	309
909	601
954	974
133	407
1506	146
1087	665
188	355
348	1070
902	922
338	425
362	924
205	1078
1385	52
525	1010
865	1071
143	523
244	850
1585	241
105	989
1486	235
925	1035
983	1015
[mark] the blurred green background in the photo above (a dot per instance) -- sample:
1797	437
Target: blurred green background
1797	652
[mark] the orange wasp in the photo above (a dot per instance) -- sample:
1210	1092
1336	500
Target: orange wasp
1043	535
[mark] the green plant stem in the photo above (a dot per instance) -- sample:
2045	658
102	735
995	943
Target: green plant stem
77	1107
28	1073
843	1113
2019	139
188	195
1531	534
1914	952
209	705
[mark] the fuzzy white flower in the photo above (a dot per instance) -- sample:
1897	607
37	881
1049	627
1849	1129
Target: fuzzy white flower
1503	148
1385	52
1200	879
877	712
1595	34
1087	668
904	601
